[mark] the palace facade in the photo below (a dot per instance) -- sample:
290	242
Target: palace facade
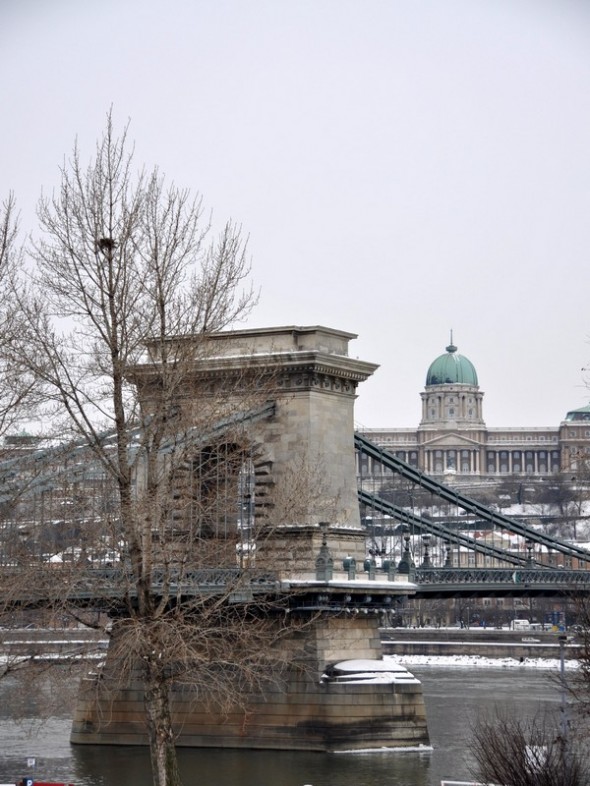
452	438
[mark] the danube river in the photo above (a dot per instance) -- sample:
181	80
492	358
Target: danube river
454	696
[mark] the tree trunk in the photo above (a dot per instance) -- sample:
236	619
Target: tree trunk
159	723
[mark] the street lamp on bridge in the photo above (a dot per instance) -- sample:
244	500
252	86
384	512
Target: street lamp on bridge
406	564
426	563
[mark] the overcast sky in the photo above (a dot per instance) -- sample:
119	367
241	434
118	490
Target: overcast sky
402	167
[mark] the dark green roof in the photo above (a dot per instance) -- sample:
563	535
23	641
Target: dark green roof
579	414
451	369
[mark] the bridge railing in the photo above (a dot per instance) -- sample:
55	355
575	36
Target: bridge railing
506	576
95	583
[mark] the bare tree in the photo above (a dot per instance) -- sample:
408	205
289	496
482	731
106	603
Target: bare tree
550	748
17	402
125	290
578	684
16	388
527	752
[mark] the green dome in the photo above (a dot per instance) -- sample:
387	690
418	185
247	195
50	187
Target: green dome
451	369
578	414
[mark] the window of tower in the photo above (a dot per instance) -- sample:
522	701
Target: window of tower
465	461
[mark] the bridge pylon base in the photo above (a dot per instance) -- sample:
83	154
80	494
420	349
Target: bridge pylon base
342	697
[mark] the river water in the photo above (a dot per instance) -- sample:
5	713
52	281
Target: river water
454	696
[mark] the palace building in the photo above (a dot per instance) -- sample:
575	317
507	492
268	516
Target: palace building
452	438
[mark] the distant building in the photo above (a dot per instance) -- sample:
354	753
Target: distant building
452	438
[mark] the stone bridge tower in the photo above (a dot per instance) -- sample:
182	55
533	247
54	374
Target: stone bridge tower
345	696
306	448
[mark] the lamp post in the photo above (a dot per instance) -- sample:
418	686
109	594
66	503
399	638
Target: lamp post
406	564
563	708
529	548
448	560
426	563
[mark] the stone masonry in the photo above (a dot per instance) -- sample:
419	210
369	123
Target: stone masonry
312	381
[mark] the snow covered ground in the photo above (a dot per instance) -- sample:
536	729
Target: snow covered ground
479	662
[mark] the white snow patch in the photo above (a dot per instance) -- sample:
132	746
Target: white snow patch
477	661
408	749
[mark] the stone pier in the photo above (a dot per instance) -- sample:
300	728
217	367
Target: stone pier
338	693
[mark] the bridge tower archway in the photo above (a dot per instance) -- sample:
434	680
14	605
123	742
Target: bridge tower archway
304	472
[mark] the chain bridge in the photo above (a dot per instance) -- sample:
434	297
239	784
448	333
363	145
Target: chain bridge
528	570
59	518
60	489
51	494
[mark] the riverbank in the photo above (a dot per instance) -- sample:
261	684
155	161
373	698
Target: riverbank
487	643
52	643
478	662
